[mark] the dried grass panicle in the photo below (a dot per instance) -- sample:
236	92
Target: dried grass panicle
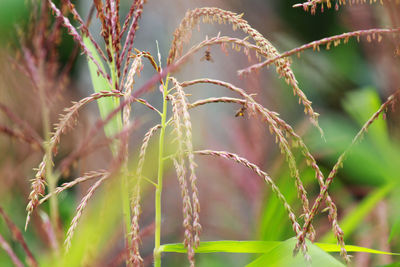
372	34
128	45
18	237
73	32
86	177
84	28
236	43
101	15
179	163
323	192
209	15
79	210
38	186
127	90
262	174
127	19
187	209
66	121
223	99
135	257
313	4
274	128
310	160
187	125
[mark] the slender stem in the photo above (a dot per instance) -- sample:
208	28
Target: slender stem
126	209
157	235
51	179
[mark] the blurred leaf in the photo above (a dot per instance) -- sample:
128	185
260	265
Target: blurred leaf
225	246
106	105
282	255
395	231
378	157
351	221
229	246
12	12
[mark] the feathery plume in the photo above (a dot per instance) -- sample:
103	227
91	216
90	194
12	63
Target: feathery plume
209	15
179	163
372	34
135	257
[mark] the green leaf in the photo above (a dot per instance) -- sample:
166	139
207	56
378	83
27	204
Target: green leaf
225	246
106	105
356	216
351	248
282	255
230	246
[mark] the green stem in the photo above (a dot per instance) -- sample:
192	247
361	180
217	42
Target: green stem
157	235
51	179
126	209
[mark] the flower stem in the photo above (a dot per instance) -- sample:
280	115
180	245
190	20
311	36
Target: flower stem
157	235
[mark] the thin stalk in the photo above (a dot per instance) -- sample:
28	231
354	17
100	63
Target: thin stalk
126	209
157	235
51	179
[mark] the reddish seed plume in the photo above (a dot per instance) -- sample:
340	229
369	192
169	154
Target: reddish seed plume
84	29
128	45
209	15
72	31
332	39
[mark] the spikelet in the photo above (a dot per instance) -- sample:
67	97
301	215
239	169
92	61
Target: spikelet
183	32
79	210
131	32
391	99
336	39
179	163
263	175
135	257
86	177
283	144
189	149
66	121
312	4
73	32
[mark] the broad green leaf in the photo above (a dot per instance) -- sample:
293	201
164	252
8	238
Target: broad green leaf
106	105
282	255
356	216
336	248
225	246
229	246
